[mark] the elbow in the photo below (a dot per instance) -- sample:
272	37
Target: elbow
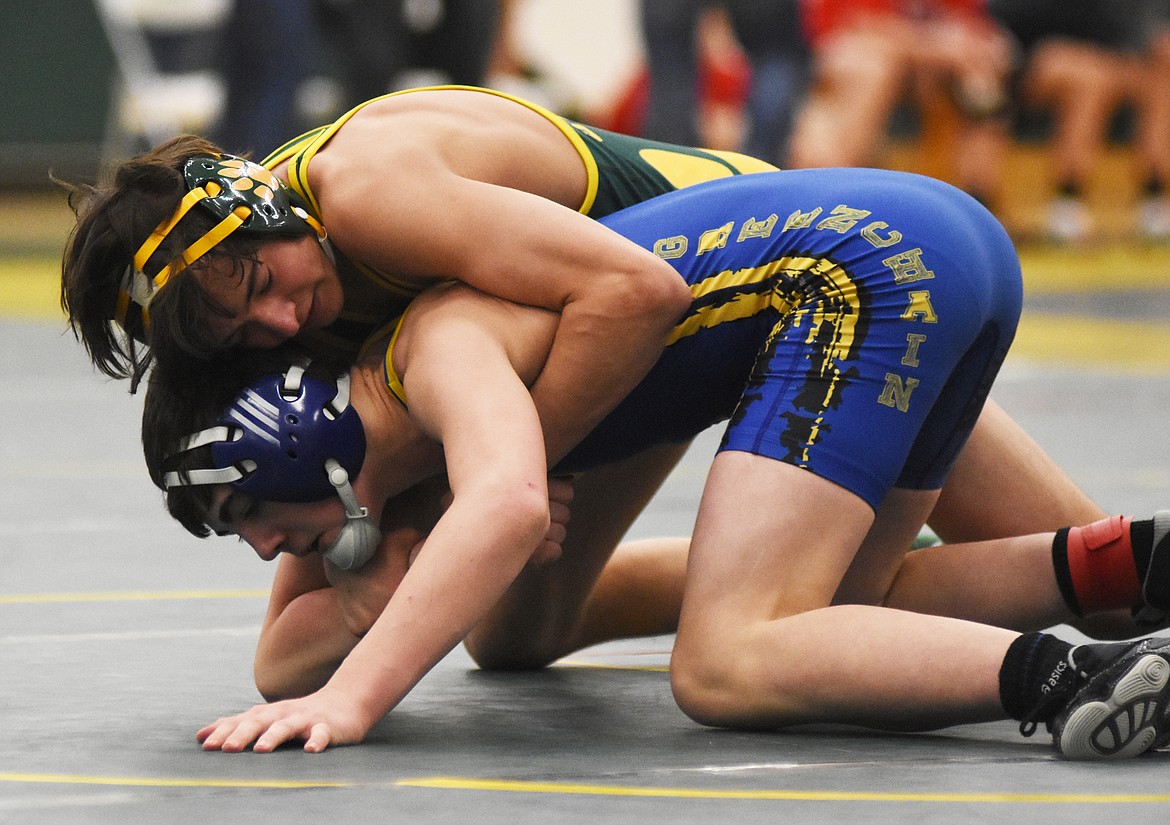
529	507
524	507
276	680
269	685
651	293
666	290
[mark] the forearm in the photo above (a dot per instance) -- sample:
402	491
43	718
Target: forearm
302	648
600	353
452	583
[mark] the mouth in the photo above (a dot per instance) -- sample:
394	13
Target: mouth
307	321
313	319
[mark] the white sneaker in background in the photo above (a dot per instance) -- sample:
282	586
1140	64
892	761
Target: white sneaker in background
1154	219
1068	220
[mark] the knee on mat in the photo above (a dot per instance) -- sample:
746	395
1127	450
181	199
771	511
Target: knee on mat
713	690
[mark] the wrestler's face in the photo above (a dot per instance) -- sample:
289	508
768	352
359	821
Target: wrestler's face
291	287
273	527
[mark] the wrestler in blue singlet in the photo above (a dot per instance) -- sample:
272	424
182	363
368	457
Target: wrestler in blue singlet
847	321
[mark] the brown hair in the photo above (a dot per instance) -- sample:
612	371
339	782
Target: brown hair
114	218
182	399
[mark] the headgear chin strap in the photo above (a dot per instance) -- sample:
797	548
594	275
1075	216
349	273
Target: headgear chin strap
291	438
243	195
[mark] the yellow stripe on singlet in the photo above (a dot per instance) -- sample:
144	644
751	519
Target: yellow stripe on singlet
300	152
748	303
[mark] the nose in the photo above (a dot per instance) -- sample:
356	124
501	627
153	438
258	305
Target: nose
278	317
268	544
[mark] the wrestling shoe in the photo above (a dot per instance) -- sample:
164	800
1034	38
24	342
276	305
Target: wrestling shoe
1118	703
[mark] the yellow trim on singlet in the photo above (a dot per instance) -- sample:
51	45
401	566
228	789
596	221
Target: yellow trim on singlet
300	151
744	164
300	158
393	382
741	304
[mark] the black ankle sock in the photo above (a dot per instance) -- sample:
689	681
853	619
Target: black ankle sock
1153	187
1063	574
1069	189
1153	562
1035	666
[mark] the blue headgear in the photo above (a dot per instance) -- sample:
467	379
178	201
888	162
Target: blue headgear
291	438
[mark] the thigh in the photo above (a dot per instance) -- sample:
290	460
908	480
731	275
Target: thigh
537	619
875	567
1004	484
770	541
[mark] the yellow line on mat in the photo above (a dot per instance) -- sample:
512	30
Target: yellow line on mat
456	783
131	596
164	782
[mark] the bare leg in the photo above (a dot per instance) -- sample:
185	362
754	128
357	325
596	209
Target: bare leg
1004	484
1153	138
859	77
759	645
1084	84
555	608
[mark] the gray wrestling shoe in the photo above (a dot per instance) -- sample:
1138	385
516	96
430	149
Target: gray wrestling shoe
1119	706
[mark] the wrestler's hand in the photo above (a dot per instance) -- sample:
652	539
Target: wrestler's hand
321	719
560	496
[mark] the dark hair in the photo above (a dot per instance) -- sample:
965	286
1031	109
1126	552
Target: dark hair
187	394
114	218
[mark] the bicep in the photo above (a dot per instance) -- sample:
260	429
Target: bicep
505	242
465	389
294	577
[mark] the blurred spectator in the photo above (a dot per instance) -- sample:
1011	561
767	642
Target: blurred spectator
269	47
376	41
781	64
696	87
869	54
1079	60
1153	137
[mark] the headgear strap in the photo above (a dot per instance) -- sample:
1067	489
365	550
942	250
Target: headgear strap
290	438
242	194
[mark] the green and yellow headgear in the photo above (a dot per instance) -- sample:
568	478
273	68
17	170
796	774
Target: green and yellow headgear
243	195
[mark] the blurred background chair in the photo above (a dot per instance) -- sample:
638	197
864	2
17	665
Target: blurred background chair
166	83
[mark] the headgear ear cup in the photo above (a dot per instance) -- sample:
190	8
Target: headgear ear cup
356	543
359	536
